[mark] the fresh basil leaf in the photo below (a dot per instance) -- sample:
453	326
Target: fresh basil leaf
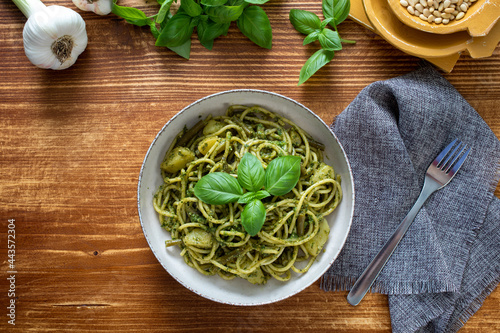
164	10
225	14
251	196
253	217
312	37
163	23
191	8
213	3
257	2
208	30
255	24
131	15
314	63
183	50
303	21
218	188
177	31
236	3
282	174
251	173
336	9
325	22
330	40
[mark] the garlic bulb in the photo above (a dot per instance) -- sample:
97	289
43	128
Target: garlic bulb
101	7
53	36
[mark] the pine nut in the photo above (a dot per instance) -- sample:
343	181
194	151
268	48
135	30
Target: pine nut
437	11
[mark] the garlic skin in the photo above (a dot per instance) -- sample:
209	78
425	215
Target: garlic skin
54	37
101	7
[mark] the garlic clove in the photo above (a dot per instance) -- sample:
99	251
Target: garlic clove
101	7
54	37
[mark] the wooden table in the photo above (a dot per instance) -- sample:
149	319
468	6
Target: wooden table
73	141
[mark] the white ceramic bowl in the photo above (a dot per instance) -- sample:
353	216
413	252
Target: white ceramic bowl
239	291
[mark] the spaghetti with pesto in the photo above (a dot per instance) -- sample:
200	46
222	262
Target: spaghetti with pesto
211	237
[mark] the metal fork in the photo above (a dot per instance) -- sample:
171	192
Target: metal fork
439	173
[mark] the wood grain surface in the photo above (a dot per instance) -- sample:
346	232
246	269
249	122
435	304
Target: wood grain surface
73	141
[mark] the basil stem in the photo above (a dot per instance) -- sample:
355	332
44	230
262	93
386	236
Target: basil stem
251	196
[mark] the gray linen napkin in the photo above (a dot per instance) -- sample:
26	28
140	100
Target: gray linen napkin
449	260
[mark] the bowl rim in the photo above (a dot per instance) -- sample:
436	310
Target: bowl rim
154	142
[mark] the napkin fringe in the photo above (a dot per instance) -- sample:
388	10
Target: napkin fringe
496	178
345	283
488	284
336	283
432	311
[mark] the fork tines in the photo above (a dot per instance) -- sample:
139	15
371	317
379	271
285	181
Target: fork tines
450	162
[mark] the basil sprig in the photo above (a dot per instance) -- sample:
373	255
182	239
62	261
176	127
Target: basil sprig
219	188
308	23
282	175
209	18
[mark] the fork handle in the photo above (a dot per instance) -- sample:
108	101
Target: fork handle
371	272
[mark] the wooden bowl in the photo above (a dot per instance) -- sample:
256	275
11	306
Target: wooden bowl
478	20
424	44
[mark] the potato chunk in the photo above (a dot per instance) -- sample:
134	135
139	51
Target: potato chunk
256	277
323	172
206	144
177	159
198	238
315	245
212	126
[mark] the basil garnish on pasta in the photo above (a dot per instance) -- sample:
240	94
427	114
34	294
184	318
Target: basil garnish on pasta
253	217
251	173
245	195
219	188
282	175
